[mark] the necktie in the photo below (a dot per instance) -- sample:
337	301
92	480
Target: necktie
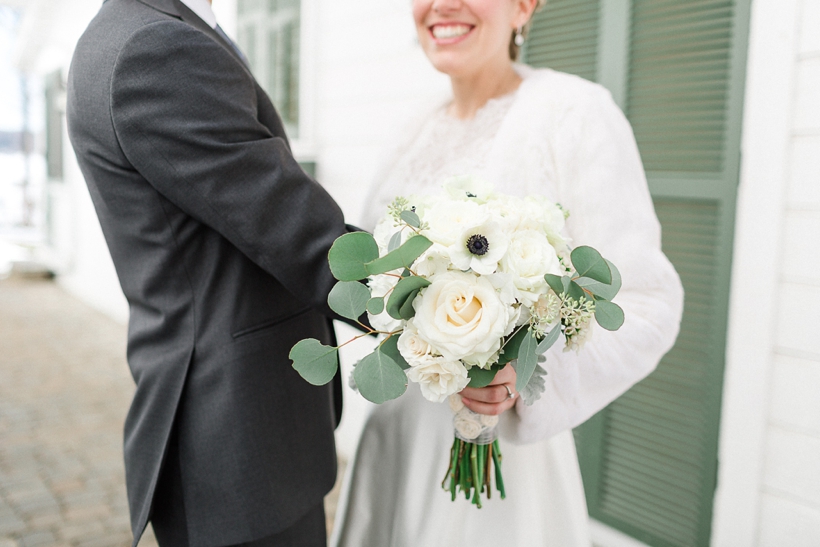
238	51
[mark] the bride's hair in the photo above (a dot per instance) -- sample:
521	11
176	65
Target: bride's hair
515	50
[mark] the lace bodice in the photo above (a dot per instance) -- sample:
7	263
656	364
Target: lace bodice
445	147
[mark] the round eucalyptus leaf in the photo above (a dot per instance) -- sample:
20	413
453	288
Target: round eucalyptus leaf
350	253
404	291
609	315
390	347
411	218
315	362
348	299
379	378
375	305
589	263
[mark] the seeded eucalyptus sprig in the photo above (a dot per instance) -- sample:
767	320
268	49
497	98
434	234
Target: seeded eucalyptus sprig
587	292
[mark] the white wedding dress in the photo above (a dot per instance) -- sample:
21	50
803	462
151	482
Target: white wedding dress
562	137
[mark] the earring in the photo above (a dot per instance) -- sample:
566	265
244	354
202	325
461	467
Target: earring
519	36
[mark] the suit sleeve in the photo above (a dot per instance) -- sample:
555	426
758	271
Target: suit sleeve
603	186
185	114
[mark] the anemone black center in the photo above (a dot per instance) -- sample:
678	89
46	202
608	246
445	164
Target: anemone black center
478	245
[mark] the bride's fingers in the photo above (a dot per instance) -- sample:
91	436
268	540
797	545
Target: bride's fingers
489	409
505	376
492	394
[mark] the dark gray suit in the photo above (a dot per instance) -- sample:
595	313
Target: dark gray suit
220	242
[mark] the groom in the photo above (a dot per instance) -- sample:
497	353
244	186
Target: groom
220	243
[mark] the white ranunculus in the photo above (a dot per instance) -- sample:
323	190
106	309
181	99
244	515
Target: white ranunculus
528	258
411	346
379	286
479	247
438	377
468	187
508	211
467	425
462	316
447	218
434	261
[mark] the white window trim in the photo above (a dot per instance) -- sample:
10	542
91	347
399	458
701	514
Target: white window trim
758	232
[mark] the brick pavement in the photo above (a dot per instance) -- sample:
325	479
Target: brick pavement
64	393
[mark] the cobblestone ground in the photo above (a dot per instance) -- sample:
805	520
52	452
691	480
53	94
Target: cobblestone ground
64	393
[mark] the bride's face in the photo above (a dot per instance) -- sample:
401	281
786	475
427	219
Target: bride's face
461	37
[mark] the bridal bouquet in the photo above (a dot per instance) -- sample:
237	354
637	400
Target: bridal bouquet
459	285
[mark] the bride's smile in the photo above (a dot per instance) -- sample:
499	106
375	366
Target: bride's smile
450	33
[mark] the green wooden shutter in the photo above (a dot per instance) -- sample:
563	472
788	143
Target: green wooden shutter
564	36
649	460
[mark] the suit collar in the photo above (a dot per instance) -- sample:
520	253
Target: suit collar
194	20
165	6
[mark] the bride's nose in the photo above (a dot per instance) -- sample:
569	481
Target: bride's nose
444	6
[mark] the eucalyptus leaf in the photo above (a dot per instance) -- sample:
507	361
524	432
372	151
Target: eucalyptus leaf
555	283
349	254
616	278
379	378
390	347
510	349
315	362
349	299
549	340
395	242
598	289
480	377
575	291
589	263
405	290
609	315
411	218
407	311
403	257
527	360
375	305
535	387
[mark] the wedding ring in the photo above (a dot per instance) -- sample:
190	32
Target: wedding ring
509	392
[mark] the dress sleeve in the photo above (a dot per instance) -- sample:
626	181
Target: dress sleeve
603	186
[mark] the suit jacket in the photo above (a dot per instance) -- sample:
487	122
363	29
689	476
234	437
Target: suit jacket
220	243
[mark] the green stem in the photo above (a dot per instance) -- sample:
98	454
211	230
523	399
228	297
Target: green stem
499	480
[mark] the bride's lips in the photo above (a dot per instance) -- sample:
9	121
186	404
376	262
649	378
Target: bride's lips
450	33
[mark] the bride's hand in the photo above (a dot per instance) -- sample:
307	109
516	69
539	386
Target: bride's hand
494	399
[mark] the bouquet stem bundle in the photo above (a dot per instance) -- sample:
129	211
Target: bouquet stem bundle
471	469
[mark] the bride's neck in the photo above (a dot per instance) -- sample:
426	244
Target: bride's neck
471	92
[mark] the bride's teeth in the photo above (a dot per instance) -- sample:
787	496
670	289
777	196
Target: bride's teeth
450	31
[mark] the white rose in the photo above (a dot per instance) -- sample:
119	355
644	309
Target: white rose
467	425
448	218
383	231
411	346
379	286
456	404
462	316
479	247
438	377
468	187
528	258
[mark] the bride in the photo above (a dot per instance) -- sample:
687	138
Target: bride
528	132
